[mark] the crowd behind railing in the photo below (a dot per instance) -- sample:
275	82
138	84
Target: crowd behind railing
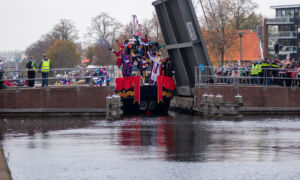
97	76
266	72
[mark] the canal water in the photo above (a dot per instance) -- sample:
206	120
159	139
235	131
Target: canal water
173	147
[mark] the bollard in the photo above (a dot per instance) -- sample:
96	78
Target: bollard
108	107
238	99
219	98
116	100
204	98
211	105
113	107
204	103
210	98
219	103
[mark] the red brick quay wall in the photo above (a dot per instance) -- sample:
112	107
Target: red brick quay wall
54	100
256	99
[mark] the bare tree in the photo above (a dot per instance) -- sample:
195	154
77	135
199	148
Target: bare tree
105	27
156	28
147	27
242	10
115	31
127	32
65	30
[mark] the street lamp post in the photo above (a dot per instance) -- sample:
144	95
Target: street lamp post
241	50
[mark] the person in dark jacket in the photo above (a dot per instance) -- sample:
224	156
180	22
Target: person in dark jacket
168	67
31	68
1	73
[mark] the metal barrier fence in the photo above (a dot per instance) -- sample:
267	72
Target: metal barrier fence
242	76
64	76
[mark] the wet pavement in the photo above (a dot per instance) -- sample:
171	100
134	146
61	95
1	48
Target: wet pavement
173	147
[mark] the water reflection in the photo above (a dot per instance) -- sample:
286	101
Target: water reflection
156	147
37	130
187	138
30	127
174	140
170	138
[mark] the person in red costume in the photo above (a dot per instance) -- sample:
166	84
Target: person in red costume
119	57
121	46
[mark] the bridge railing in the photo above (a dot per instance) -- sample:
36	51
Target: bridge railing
242	76
64	76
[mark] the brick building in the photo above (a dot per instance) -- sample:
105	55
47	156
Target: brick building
249	42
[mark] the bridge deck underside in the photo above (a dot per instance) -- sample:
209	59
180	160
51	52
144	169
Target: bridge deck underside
184	40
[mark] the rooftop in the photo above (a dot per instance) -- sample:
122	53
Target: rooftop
286	6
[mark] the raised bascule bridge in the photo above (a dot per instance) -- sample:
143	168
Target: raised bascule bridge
184	42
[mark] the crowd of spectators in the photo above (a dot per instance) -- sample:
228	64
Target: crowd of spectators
265	72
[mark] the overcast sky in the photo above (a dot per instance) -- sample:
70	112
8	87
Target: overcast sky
22	22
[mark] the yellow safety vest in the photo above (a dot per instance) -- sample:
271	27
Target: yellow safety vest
33	66
255	69
45	66
259	68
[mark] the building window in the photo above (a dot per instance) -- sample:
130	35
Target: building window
297	13
283	13
279	12
291	13
288	13
286	28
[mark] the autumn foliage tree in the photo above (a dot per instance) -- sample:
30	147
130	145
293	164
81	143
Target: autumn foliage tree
64	54
224	18
219	19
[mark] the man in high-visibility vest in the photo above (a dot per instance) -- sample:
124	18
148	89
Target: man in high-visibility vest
31	68
254	72
45	67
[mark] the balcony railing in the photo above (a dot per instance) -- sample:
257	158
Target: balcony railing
283	35
285	50
281	20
